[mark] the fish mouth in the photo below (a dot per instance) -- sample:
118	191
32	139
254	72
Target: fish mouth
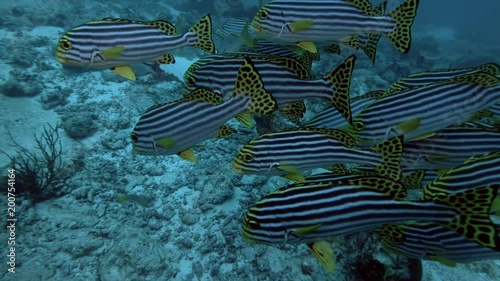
238	168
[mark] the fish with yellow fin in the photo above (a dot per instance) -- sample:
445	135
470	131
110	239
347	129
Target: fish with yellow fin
175	127
322	23
114	43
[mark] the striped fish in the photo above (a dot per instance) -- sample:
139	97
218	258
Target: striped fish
435	76
477	171
417	112
450	147
290	152
430	241
302	213
322	23
285	78
116	43
175	127
330	118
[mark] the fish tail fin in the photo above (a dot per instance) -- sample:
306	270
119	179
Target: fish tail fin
370	46
203	31
390	151
473	208
249	84
340	77
403	15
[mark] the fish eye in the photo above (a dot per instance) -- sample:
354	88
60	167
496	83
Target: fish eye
358	125
252	224
65	44
263	14
134	137
247	157
191	81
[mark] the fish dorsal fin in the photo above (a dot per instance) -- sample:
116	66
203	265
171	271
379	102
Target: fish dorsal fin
294	111
370	46
205	95
490	68
340	77
390	151
165	59
379	10
479	78
370	95
293	66
163	25
364	5
323	252
390	188
341	136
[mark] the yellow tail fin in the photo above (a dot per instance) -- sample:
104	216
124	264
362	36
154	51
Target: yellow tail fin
340	77
203	29
404	15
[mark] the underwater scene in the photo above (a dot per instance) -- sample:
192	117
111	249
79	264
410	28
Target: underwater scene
250	140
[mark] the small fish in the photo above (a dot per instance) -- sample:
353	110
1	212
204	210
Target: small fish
322	23
431	241
304	213
114	44
234	36
285	78
293	151
418	112
175	127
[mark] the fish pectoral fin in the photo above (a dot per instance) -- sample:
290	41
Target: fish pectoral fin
308	46
124	71
225	131
167	142
408	126
112	53
188	155
165	59
306	230
301	25
323	252
245	118
295	178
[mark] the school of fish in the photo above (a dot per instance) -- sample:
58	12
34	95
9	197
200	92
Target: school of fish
436	132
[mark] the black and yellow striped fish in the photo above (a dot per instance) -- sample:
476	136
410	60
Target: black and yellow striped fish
116	43
285	78
175	127
417	112
322	23
303	213
431	241
293	151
